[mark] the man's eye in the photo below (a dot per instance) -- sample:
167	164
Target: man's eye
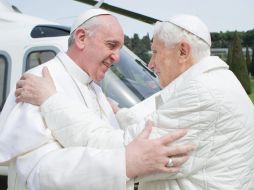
111	45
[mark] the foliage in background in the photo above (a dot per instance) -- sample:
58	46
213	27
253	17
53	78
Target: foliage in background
238	64
247	59
229	58
141	47
223	39
252	94
252	63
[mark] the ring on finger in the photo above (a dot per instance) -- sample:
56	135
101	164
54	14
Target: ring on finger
170	163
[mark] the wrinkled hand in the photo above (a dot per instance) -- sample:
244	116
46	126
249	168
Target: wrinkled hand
33	89
144	156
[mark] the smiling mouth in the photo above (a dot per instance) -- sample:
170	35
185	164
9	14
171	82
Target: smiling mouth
157	73
108	65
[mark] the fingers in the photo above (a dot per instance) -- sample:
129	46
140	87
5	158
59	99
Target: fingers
20	98
149	123
18	91
25	79
46	73
20	84
175	150
21	95
178	161
26	76
173	136
146	131
34	89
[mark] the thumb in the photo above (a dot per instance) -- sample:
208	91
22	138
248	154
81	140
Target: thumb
46	74
146	131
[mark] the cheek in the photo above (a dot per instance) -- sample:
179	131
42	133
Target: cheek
166	69
101	69
161	63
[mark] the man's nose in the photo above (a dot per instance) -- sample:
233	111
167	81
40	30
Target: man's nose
115	56
151	64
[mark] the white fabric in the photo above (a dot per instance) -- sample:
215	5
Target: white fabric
192	24
209	101
86	16
78	126
16	137
42	163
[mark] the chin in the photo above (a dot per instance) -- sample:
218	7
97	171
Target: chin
99	78
162	84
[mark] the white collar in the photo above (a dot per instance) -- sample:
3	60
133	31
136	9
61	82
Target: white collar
205	65
73	69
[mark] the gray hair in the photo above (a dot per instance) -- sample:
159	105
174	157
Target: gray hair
90	25
171	35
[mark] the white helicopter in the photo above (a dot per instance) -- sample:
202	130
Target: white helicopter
28	41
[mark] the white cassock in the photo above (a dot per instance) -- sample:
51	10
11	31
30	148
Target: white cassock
37	161
210	102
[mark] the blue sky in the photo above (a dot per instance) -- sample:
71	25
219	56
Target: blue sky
219	15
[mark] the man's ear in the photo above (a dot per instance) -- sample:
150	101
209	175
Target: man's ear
80	37
184	50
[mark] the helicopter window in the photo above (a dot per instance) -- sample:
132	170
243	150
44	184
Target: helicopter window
3	80
36	58
42	31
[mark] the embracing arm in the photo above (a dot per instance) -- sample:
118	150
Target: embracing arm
88	168
71	124
75	125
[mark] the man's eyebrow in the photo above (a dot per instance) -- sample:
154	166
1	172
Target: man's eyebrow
115	42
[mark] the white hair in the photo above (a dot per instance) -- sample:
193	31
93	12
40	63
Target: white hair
171	35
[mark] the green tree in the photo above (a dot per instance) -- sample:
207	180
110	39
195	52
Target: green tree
252	63
238	65
127	42
147	42
145	55
229	58
223	39
248	38
135	43
139	47
247	58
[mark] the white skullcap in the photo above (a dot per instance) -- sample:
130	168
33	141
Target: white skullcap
86	16
193	25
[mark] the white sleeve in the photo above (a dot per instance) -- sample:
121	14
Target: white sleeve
75	168
193	109
22	129
126	117
75	125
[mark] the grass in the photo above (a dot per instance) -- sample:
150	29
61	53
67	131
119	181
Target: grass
252	90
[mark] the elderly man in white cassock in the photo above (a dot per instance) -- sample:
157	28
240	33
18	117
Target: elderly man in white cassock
199	93
36	157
